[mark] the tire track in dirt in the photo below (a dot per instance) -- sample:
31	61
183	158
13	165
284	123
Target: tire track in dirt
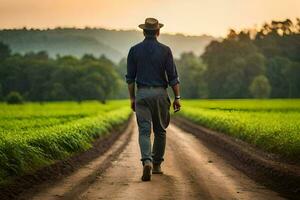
192	171
122	180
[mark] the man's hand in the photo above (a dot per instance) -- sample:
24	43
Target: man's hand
131	88
176	102
176	105
132	104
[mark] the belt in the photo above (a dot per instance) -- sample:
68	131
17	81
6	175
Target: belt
149	87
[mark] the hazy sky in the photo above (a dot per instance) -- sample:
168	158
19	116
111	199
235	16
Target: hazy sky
193	17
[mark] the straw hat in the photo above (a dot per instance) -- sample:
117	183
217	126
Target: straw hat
151	24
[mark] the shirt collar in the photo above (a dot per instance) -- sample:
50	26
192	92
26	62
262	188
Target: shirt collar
152	38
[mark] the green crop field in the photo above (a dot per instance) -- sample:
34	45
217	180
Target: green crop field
35	135
272	125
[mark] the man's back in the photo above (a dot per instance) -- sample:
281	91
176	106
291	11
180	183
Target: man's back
149	62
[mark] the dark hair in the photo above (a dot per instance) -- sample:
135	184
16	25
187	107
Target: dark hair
150	33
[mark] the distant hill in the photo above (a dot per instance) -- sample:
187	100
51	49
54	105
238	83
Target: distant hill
112	43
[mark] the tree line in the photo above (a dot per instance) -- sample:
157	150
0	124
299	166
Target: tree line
37	77
251	63
263	63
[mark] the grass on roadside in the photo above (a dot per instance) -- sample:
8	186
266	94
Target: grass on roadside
272	125
34	135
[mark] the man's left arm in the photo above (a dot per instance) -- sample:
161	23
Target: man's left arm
130	77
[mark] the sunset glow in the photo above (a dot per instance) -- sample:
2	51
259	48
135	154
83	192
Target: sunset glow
193	17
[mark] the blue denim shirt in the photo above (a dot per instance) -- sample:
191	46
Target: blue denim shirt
150	63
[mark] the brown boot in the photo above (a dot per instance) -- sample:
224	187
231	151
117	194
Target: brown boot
147	171
157	169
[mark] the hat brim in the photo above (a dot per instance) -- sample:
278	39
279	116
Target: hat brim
143	26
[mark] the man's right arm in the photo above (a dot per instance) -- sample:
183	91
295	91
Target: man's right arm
173	79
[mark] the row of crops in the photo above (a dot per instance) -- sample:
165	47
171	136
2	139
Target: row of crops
272	125
35	135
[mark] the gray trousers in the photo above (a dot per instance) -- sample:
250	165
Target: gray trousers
152	107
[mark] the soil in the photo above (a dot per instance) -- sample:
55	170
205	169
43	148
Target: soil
192	170
275	172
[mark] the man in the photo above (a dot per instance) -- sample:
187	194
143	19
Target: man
151	66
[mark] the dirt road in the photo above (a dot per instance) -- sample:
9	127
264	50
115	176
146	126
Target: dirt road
191	171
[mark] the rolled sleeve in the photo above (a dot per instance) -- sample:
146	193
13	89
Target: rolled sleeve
131	67
171	70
